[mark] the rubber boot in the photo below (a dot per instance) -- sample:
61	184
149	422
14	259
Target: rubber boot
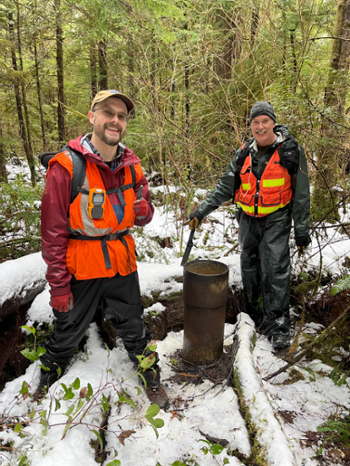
155	390
47	378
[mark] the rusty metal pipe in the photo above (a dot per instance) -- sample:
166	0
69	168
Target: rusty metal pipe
205	289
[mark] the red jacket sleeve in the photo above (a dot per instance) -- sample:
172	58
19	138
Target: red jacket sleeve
54	228
145	195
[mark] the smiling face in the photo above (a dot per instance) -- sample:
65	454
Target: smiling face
108	121
262	129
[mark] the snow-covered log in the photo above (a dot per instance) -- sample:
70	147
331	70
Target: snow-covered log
21	281
269	432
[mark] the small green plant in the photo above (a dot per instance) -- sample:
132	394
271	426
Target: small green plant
214	449
341	429
175	363
341	285
294	376
23	460
146	361
312	374
157	423
34	354
188	462
340	432
338	377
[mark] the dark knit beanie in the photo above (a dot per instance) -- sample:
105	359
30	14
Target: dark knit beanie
262	108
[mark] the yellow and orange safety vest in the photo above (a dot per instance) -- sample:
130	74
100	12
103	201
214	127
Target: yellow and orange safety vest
260	197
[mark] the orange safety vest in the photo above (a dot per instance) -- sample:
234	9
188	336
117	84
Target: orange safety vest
260	197
100	247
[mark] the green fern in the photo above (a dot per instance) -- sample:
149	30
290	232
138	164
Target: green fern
341	285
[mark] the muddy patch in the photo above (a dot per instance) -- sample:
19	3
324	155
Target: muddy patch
218	373
328	449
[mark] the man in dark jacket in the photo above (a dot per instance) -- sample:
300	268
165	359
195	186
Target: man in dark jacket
86	242
267	177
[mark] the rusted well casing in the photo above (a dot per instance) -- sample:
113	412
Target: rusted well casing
205	295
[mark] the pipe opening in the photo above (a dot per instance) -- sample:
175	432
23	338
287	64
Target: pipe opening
203	267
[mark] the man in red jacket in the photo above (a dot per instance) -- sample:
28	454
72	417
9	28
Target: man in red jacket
86	242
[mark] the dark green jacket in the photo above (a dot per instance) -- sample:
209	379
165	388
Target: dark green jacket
225	188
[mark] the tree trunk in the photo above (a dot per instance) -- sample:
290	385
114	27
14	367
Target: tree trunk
93	70
38	89
16	84
187	104
102	62
295	63
336	90
131	68
153	74
23	89
333	132
173	89
254	25
3	172
60	75
226	68
232	46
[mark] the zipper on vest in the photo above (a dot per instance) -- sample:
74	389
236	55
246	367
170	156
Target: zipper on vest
256	198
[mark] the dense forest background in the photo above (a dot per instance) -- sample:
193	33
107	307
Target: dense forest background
193	68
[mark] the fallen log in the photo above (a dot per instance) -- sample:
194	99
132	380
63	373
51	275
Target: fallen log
19	300
21	281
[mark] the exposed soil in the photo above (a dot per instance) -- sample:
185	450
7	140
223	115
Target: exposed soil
328	308
186	373
217	372
12	363
330	450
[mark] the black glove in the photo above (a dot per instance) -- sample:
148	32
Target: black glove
195	219
302	243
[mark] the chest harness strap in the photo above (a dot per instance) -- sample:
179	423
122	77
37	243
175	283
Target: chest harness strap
119	235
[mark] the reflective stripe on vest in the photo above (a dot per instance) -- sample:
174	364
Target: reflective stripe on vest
272	183
260	197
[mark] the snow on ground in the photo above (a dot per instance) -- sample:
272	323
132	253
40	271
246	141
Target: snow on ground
59	431
304	405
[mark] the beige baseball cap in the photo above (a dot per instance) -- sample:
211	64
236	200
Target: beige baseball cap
103	95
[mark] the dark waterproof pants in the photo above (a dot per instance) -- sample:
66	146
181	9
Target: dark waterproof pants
119	300
265	268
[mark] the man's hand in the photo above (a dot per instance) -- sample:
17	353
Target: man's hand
195	219
302	243
140	207
62	303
